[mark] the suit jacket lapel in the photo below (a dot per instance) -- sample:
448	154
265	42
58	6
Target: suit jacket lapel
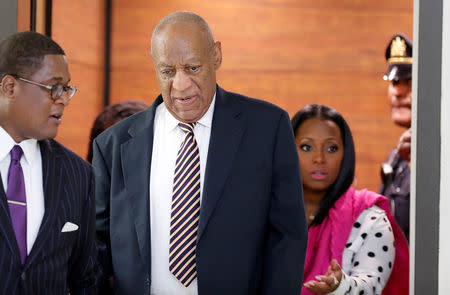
228	126
136	155
6	228
52	174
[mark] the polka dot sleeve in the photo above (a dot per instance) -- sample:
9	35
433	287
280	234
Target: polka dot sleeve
368	256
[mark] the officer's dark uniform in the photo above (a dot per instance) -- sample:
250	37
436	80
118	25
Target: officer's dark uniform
395	186
395	172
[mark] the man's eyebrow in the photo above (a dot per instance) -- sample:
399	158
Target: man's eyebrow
161	64
58	79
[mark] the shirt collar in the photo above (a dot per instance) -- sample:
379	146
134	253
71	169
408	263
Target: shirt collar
29	146
206	120
171	122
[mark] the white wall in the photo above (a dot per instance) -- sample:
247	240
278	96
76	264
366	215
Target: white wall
412	200
444	207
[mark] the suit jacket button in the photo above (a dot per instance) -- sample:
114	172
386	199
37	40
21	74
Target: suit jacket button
23	276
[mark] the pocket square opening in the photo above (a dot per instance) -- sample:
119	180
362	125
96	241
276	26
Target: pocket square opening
69	226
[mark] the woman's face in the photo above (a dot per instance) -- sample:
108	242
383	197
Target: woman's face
320	149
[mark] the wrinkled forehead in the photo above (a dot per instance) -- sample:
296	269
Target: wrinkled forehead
181	38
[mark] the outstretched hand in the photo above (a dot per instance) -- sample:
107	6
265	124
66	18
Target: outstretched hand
326	283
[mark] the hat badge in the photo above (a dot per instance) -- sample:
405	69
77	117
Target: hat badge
398	52
398	47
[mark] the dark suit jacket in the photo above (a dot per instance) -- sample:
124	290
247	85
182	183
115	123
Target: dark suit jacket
252	230
58	262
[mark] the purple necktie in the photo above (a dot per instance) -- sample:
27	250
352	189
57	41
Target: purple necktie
17	200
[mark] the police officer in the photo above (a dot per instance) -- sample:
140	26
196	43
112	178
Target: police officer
395	171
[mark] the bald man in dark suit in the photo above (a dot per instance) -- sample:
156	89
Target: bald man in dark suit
200	193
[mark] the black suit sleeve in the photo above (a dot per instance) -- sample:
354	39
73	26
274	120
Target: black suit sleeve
287	236
102	189
84	271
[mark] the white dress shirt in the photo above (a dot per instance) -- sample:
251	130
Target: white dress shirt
166	143
31	163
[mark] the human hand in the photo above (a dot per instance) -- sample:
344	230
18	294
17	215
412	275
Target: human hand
404	145
326	283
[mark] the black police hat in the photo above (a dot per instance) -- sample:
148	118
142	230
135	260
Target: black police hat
398	58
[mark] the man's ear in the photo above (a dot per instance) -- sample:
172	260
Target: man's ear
217	55
8	85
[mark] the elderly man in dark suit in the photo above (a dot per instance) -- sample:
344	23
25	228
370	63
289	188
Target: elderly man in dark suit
201	193
47	229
